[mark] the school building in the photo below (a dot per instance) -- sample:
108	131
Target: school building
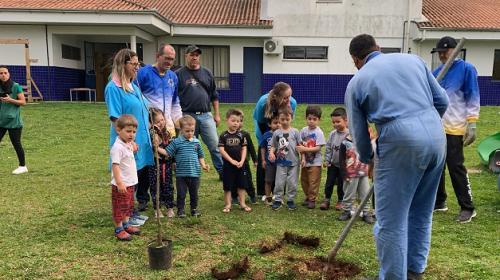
249	45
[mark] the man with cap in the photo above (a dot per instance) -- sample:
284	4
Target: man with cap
459	123
159	86
197	90
406	105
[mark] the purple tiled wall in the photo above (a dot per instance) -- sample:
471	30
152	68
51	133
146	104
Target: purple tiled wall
307	88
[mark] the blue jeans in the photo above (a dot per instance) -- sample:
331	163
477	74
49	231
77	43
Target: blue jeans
205	126
408	166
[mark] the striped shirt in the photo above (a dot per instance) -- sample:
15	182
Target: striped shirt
187	154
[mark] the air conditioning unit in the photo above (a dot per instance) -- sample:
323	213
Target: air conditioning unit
273	47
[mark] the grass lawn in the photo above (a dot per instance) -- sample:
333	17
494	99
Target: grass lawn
57	218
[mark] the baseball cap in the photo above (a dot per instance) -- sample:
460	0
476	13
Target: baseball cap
193	48
444	44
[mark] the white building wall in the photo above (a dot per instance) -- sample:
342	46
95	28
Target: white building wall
14	54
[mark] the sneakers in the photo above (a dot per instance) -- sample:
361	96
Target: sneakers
264	198
170	212
133	230
276	205
325	205
268	201
195	213
20	170
441	207
291	205
135	222
466	215
158	213
143	206
123	236
221	177
305	202
136	215
234	201
339	206
367	218
346	215
311	205
254	200
181	214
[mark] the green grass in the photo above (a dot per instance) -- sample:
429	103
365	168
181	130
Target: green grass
57	218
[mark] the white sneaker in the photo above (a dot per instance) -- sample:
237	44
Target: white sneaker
264	198
20	170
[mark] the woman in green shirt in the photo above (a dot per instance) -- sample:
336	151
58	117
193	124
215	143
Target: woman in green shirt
12	97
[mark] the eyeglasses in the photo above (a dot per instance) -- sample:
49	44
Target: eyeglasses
169	58
134	64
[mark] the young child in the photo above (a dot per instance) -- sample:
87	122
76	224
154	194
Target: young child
233	148
189	157
339	121
248	174
355	176
124	177
161	141
313	140
285	141
269	167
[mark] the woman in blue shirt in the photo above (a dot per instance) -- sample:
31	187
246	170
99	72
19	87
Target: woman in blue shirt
124	97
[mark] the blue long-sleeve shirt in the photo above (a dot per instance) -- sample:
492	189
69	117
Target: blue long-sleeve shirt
386	88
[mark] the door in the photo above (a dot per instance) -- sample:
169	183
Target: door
252	74
90	80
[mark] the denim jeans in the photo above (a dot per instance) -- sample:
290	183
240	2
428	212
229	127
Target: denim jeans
205	127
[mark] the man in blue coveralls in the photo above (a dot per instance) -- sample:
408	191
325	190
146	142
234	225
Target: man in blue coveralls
398	93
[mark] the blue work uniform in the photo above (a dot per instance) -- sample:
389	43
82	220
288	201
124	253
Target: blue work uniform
260	109
398	93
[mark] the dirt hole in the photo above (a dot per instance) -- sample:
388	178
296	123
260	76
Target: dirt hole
337	270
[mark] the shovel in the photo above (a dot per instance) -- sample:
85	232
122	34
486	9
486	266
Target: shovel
335	249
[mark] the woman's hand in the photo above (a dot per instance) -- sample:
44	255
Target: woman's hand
7	99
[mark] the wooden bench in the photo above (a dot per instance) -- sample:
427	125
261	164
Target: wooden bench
89	90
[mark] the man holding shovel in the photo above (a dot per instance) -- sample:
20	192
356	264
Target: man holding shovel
398	93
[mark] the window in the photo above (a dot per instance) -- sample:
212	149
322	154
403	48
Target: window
305	52
215	58
436	62
496	67
69	52
390	50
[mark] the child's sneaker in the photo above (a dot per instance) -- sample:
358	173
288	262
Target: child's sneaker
339	206
170	212
276	205
264	198
181	214
123	236
325	205
346	215
268	201
136	222
367	218
195	213
136	215
234	201
132	230
305	202
291	205
254	200
158	213
311	205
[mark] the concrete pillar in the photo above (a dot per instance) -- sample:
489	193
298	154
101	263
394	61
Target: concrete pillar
133	43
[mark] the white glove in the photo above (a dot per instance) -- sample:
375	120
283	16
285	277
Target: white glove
470	134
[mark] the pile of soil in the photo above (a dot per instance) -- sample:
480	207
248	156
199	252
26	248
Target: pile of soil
337	269
297	239
266	247
237	269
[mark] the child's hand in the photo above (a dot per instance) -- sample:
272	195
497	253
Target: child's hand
300	148
254	165
271	158
326	164
264	164
303	162
121	187
135	147
346	179
206	167
174	166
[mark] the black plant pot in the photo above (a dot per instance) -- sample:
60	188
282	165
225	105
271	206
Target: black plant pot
160	257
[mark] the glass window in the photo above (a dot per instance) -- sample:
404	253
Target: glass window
305	52
215	58
496	66
436	62
69	52
390	50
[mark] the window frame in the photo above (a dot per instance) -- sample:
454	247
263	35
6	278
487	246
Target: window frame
305	54
75	52
435	62
496	60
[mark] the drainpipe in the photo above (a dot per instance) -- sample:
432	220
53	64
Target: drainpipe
48	62
420	42
407	49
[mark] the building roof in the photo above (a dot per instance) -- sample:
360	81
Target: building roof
207	12
461	14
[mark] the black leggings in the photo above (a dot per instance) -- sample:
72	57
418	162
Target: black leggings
15	139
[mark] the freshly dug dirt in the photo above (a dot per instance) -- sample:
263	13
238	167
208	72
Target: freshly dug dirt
259	275
266	247
237	269
337	269
297	239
